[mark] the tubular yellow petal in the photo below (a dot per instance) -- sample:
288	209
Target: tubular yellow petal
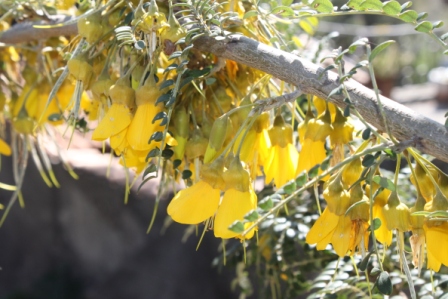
118	142
322	244
142	128
382	234
194	204
4	148
312	153
437	242
282	167
234	206
433	263
341	236
117	118
323	227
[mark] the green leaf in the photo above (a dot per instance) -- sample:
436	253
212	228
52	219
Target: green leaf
175	55
376	223
186	174
368	160
437	24
161	115
167	153
392	8
347	111
140	45
210	81
164	98
250	14
439	214
353	206
355	4
290	187
172	66
375	271
166	83
444	37
372	5
330	67
55	117
366	134
380	48
409	16
360	42
384	284
391	154
301	179
406	5
145	180
266	203
424	26
422	16
314	171
421	213
237	227
287	2
151	168
283	10
338	90
365	261
251	216
153	153
325	163
384	182
176	163
323	6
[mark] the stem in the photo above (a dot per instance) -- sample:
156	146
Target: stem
375	88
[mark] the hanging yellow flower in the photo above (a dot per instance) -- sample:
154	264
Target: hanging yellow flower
238	200
282	163
143	125
199	202
313	144
330	228
119	115
436	244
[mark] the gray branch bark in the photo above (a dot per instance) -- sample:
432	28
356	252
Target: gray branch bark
430	137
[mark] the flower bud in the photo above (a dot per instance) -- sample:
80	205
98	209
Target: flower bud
397	214
218	135
338	199
236	177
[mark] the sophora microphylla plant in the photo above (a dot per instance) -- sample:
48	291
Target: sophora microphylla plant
133	79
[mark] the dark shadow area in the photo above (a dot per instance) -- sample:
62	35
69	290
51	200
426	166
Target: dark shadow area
82	241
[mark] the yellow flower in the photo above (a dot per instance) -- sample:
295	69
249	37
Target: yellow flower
4	148
330	228
200	201
436	244
143	126
194	204
119	115
238	200
315	132
282	163
235	204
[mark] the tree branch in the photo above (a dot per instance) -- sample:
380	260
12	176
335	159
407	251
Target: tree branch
430	137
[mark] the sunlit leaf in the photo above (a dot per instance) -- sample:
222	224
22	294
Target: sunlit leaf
392	8
380	48
409	16
323	6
